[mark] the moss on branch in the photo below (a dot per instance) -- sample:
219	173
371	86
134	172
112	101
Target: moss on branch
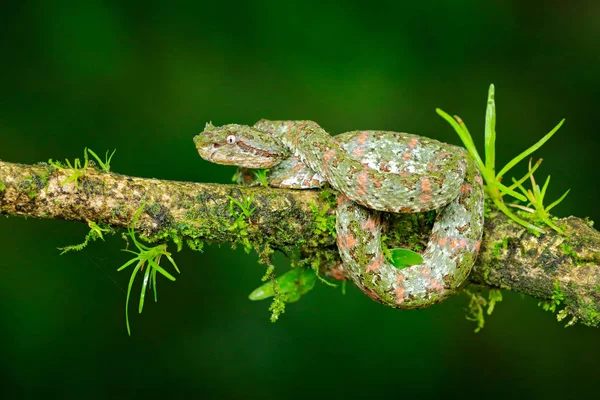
560	269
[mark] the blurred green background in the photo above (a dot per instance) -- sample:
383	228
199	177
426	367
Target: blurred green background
144	77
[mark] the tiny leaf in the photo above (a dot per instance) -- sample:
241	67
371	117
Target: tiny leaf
402	258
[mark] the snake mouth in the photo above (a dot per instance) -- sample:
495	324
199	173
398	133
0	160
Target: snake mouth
206	153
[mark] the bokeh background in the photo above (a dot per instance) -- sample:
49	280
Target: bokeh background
145	76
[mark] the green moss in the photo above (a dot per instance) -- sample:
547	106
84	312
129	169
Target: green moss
92	187
324	220
2	187
503	244
96	232
568	248
556	299
33	184
160	215
477	303
592	314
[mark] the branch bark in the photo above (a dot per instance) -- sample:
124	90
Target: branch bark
562	269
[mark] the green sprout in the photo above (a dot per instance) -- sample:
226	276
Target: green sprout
104	166
242	219
324	221
94	234
539	213
261	176
147	256
76	169
494	188
244	205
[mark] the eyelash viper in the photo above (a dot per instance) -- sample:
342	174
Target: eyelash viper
374	171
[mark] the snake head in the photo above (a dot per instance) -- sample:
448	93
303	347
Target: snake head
239	145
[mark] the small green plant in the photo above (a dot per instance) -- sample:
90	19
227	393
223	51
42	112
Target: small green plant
148	257
244	206
104	166
477	303
242	219
261	176
539	213
324	222
494	188
77	170
95	233
555	300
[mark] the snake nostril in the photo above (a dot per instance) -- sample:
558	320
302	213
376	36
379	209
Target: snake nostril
216	145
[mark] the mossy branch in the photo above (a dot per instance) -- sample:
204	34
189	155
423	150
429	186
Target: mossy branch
562	269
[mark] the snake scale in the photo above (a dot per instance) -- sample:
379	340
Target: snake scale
374	171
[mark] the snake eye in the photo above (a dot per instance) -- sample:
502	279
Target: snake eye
231	139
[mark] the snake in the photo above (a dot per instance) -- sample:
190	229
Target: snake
374	172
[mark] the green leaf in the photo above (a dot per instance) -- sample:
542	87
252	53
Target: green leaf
293	284
530	150
262	292
402	258
131	280
517	183
143	291
465	136
490	131
554	204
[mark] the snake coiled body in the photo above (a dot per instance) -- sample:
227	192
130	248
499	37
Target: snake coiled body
374	171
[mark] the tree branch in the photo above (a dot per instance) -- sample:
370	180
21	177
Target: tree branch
563	270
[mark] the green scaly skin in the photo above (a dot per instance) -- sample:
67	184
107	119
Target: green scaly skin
373	170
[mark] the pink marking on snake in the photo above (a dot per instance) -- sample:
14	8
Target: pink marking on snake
457	244
433	283
466	188
297	168
358	152
424	198
384	167
368	225
413	143
328	155
341	199
478	179
406	156
436	285
431	166
362	139
477	246
425	185
361	183
337	273
376	264
400	289
345	241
